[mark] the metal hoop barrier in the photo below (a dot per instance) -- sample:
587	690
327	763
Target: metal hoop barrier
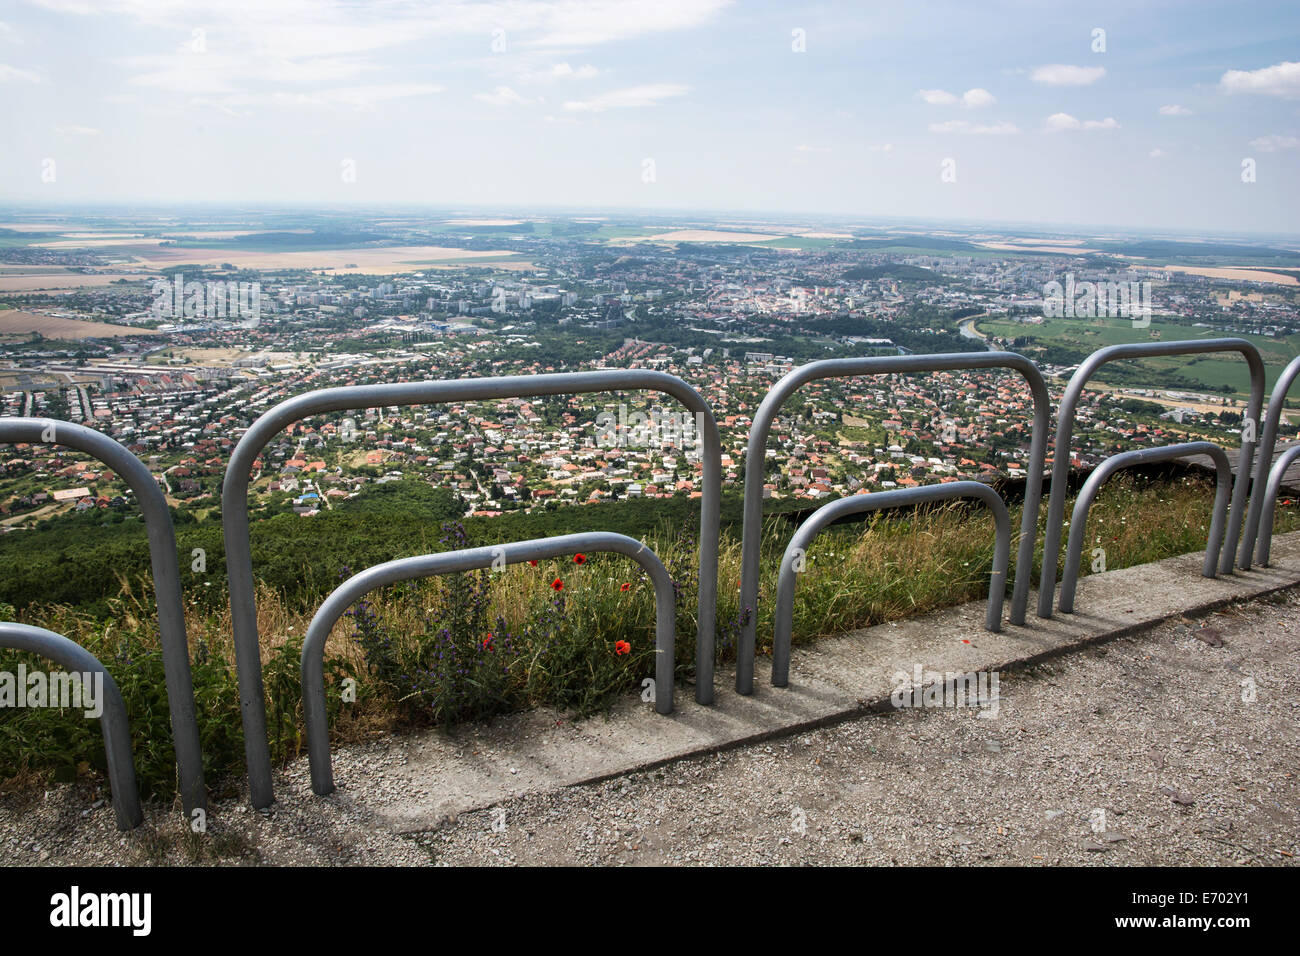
166	581
1146	456
234	511
873	502
1263	471
113	721
877	365
1065	431
1270	503
428	565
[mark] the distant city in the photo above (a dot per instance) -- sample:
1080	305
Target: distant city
172	334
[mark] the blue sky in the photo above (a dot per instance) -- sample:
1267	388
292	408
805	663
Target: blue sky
534	104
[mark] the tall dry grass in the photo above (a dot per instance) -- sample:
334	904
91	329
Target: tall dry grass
564	645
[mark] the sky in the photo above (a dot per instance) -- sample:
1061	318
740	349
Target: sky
1133	115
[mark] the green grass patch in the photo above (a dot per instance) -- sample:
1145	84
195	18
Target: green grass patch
468	646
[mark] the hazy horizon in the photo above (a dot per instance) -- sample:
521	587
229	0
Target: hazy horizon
88	209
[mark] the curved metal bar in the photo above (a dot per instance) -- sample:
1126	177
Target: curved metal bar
1145	456
423	566
113	721
755	460
1270	502
827	514
166	581
1065	431
1263	470
234	511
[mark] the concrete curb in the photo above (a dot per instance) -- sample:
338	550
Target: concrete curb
831	680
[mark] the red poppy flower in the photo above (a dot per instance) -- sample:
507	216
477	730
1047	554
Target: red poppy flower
579	559
487	641
622	647
625	586
532	564
557	584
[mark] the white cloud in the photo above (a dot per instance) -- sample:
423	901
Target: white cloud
304	28
11	74
971	99
648	94
356	97
965	126
1175	110
882	148
812	149
1156	153
184	71
77	130
556	73
937	97
1061	74
976	98
255	49
1059	122
503	96
1273	142
1280	79
229	105
585	72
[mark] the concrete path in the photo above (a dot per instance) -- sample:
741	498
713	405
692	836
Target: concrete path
433	775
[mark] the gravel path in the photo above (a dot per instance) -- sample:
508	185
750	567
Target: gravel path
1176	746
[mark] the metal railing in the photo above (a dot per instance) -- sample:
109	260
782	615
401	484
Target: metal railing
423	566
113	723
798	548
166	571
1065	430
1263	471
1270	502
755	460
234	511
1145	456
166	581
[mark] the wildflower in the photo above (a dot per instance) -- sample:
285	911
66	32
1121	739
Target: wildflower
487	642
533	563
622	647
625	586
579	558
557	584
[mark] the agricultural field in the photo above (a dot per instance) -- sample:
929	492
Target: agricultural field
385	260
48	279
215	357
1238	275
1211	371
17	323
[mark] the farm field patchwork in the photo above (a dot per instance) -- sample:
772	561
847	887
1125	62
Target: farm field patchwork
1210	371
18	322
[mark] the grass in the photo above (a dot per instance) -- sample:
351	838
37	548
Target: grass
1211	370
470	646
